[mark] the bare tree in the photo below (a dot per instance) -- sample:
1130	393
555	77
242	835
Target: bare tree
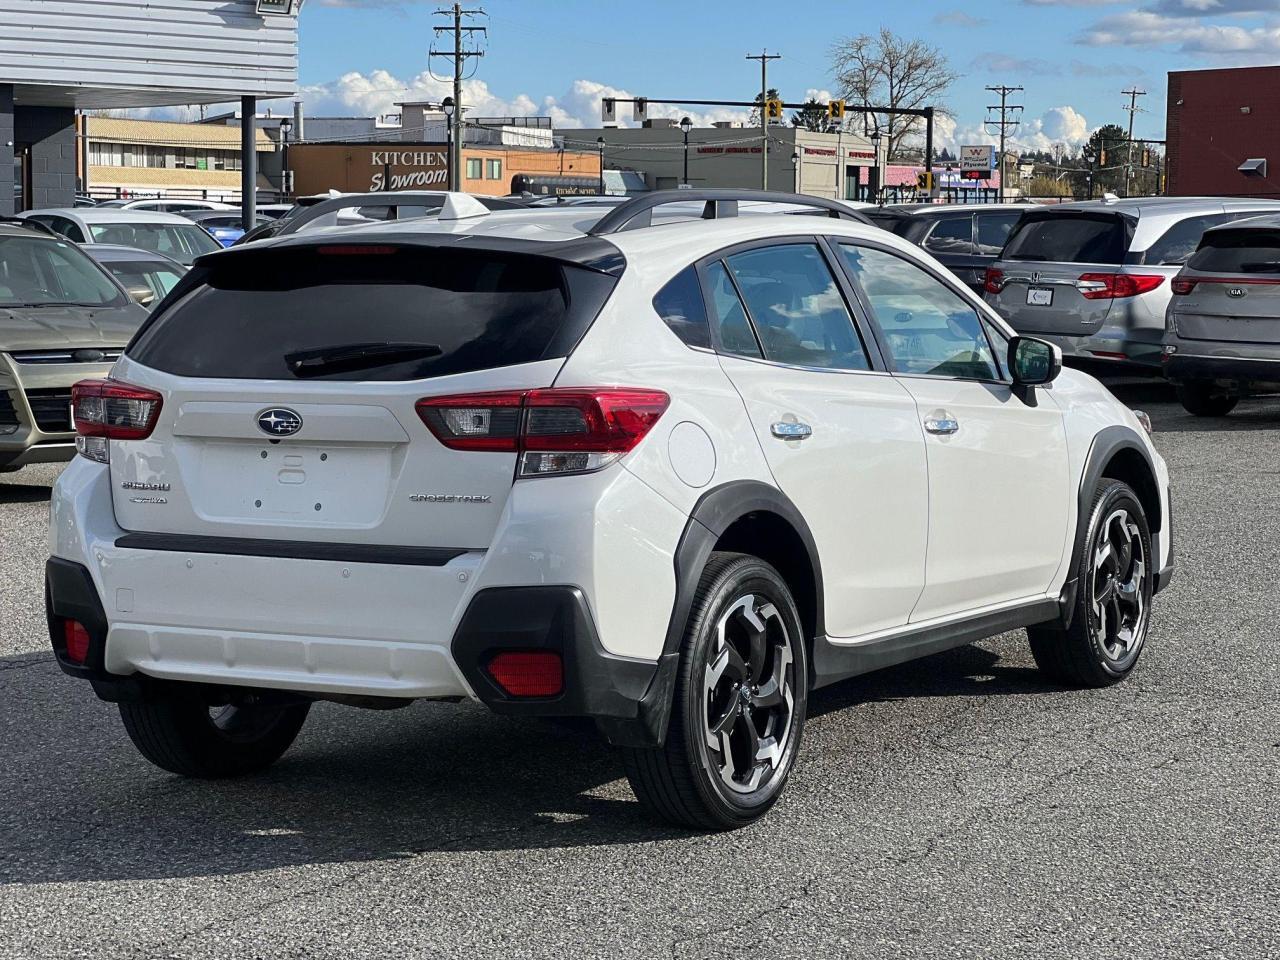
886	70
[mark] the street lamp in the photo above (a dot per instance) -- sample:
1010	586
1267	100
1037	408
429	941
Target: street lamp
600	147
795	171
685	126
447	105
285	126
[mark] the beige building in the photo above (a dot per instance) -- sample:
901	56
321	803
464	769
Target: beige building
160	158
834	165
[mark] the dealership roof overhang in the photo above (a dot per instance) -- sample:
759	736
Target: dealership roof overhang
120	98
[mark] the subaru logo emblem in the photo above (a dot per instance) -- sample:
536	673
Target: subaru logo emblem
1236	292
279	422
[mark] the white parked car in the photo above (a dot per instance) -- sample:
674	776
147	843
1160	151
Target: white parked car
165	233
167	205
669	475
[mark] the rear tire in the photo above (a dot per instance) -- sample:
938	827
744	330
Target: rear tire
189	738
739	703
1204	398
1113	595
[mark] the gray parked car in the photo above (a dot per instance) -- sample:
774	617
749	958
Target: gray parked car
1093	277
1223	337
62	319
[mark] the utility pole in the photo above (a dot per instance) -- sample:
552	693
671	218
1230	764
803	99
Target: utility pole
764	56
459	58
1004	125
1133	93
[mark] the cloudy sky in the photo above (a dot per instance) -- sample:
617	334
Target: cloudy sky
558	57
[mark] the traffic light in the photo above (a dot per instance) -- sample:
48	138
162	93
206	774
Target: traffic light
1102	157
835	109
773	109
1146	156
924	182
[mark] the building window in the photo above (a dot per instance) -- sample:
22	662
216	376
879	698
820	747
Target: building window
473	169
493	170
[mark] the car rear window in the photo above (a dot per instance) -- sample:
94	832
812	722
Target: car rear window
1238	251
181	243
481	309
1068	238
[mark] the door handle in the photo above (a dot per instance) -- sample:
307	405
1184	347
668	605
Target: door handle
787	430
942	424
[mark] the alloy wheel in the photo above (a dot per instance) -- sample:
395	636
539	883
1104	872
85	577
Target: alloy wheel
1119	588
749	695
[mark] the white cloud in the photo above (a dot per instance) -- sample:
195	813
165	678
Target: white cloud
1144	28
1062	124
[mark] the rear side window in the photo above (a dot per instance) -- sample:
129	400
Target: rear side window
951	235
994	230
255	318
732	325
1069	238
681	307
1238	251
1181	240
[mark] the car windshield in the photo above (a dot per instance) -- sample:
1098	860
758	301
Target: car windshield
159	278
180	242
38	271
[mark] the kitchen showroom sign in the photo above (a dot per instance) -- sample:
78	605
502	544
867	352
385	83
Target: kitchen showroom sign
405	169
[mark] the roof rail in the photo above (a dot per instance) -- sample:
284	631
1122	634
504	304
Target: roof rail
717	202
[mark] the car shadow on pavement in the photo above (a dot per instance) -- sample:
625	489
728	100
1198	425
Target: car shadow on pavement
24	492
359	786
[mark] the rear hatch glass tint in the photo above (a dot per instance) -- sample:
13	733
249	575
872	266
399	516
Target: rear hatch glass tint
1238	251
319	313
1098	238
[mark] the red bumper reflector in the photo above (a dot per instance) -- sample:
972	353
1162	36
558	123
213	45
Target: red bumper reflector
528	673
77	640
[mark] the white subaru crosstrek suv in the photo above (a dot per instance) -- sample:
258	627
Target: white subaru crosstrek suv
669	473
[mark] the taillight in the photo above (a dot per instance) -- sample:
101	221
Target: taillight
111	410
528	673
556	431
993	281
76	639
1182	286
1117	285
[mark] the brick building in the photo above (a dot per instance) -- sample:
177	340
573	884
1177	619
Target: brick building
1220	124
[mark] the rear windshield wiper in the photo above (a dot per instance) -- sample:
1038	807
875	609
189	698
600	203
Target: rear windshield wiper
356	356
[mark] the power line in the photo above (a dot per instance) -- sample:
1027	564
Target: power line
1004	124
459	57
1133	93
764	56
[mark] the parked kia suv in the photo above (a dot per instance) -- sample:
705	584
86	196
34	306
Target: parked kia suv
1093	277
62	318
1223	338
668	473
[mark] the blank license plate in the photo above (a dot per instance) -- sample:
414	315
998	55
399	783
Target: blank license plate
1040	296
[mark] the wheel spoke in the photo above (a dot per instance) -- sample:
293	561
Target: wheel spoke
727	719
1124	548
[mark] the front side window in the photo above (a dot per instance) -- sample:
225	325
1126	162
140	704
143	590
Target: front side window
951	235
929	328
158	278
37	271
797	308
681	307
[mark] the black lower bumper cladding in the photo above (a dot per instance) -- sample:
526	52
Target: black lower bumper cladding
629	699
69	594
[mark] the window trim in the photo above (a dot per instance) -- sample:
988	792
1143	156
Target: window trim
870	345
980	309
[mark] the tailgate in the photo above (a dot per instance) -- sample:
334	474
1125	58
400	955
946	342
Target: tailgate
1051	298
289	381
1231	309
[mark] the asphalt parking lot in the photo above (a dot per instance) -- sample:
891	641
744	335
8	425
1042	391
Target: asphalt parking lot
958	806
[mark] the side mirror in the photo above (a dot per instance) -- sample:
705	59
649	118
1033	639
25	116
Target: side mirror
1033	362
142	294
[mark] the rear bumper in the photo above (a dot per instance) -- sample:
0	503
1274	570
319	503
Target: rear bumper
1181	366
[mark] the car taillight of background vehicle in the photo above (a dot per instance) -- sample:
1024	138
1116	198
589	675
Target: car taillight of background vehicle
111	410
557	431
1183	285
1112	286
993	281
